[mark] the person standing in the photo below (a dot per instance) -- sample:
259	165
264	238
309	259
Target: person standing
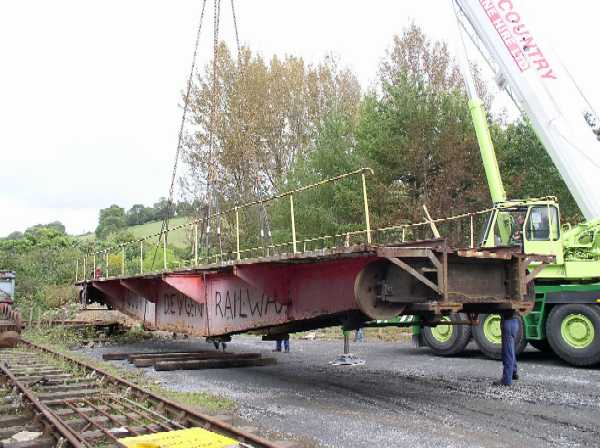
359	335
510	331
285	341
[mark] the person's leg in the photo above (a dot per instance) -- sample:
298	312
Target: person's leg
515	334
278	345
508	350
286	345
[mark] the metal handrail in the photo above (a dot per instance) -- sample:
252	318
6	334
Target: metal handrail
236	209
294	244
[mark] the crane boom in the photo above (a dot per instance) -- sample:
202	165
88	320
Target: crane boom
545	92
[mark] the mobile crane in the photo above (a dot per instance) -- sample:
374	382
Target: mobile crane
566	315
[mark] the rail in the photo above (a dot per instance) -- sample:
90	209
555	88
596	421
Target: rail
126	253
127	405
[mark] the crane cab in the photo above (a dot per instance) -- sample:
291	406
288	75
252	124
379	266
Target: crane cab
533	225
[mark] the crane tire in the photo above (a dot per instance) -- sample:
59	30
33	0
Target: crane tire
487	336
447	340
573	331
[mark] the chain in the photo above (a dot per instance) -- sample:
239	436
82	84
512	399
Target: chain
235	28
186	101
210	178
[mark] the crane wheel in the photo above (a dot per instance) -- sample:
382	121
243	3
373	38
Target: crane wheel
447	340
488	336
573	331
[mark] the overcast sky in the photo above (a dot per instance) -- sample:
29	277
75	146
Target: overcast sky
89	90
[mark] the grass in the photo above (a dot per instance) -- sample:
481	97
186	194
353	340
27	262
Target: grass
65	338
176	238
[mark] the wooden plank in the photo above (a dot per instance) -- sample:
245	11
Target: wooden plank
212	364
148	362
120	356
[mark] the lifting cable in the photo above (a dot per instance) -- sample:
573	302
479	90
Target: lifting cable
235	29
264	223
211	190
212	199
165	224
211	177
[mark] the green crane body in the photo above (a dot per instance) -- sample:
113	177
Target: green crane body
566	314
573	279
570	286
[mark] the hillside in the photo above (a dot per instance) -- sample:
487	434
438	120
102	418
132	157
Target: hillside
177	238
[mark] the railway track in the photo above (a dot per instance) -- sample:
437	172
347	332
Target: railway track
75	404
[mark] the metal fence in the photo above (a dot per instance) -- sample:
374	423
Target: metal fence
226	227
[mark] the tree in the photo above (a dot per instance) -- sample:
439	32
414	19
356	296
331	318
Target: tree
16	235
44	260
55	226
266	116
427	62
336	207
58	226
162	208
184	208
112	219
519	151
139	214
417	134
414	130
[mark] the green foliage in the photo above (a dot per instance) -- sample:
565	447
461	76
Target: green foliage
332	208
420	141
528	170
416	134
153	257
178	238
16	235
55	225
184	208
44	260
112	219
162	209
58	337
139	214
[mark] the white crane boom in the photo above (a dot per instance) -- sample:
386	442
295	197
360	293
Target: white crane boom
545	92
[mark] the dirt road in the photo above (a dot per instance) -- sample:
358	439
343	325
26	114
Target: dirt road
402	396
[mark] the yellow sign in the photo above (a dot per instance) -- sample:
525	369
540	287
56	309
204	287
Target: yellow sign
183	438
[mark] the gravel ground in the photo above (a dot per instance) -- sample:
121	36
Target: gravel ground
402	395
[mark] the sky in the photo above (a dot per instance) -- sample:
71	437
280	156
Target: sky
90	90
